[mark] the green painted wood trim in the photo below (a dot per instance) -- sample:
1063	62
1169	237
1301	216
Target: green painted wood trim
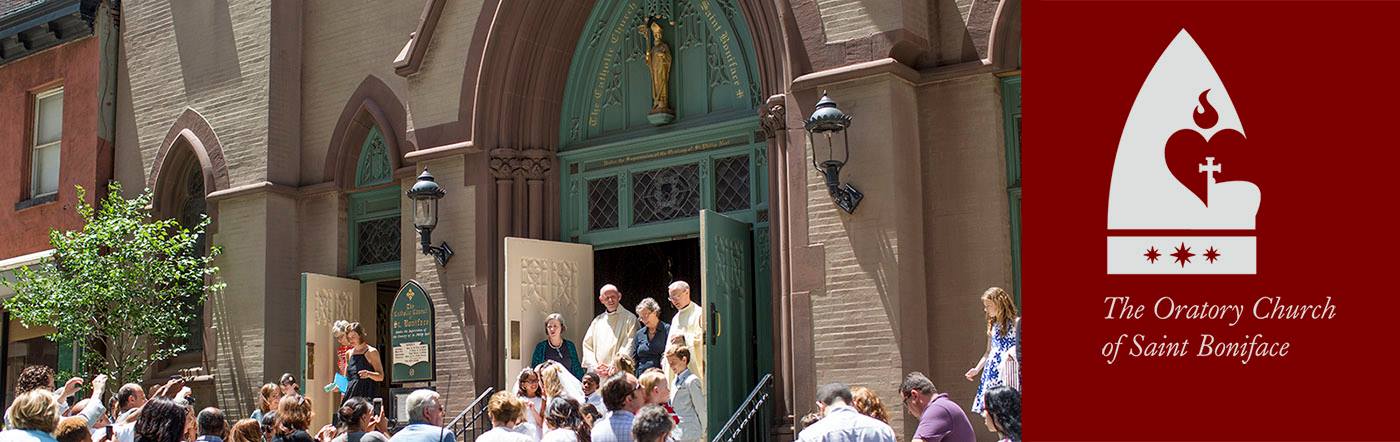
374	166
575	210
1011	116
709	41
575	173
369	206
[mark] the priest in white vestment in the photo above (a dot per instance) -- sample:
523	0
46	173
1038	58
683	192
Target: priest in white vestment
689	323
611	333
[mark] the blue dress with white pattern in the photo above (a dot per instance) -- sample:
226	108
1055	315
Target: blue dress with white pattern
1000	343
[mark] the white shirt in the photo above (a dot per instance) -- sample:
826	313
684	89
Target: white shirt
610	334
844	424
499	434
597	400
560	435
689	321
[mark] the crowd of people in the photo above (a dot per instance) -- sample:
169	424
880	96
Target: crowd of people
858	414
637	379
40	413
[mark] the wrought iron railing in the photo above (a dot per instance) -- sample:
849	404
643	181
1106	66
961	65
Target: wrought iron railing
743	423
470	423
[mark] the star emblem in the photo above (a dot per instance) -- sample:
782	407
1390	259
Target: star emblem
1183	254
1152	254
1212	254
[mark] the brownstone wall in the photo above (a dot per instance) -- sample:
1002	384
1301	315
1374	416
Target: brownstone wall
85	158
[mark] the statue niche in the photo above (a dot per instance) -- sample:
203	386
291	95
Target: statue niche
658	60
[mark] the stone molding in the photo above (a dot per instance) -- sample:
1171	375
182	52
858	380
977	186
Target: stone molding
530	164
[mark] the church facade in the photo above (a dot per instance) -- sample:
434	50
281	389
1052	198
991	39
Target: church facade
581	143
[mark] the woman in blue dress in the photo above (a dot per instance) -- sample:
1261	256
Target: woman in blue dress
1003	345
650	344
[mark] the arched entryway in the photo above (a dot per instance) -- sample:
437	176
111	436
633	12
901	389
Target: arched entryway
728	61
642	173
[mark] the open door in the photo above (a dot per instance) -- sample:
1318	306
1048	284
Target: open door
726	256
324	300
544	277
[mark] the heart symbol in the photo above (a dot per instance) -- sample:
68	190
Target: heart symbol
1187	150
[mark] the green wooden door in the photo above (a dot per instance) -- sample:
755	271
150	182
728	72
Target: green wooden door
726	257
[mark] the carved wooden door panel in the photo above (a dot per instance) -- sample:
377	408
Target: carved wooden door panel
726	257
544	277
324	299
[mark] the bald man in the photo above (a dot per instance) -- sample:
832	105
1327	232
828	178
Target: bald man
687	326
611	333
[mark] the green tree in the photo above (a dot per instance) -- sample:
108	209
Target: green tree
123	288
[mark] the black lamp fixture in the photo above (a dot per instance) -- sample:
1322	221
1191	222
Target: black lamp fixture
425	195
828	120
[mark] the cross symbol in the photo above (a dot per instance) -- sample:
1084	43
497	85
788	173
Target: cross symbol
1210	169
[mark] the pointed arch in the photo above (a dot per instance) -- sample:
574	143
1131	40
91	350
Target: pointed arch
511	61
1005	50
372	105
190	140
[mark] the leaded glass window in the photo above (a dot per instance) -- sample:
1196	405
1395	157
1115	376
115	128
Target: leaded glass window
378	241
665	194
375	233
192	211
602	203
732	183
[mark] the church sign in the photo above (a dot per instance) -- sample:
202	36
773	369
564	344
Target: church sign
411	335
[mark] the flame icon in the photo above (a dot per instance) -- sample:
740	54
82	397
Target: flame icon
1205	116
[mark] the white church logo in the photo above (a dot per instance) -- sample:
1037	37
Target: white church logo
1179	203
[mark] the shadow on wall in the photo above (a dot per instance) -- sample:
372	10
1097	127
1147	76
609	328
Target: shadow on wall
962	29
467	323
130	167
230	367
204	37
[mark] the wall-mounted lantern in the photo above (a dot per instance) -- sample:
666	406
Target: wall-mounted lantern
425	195
827	120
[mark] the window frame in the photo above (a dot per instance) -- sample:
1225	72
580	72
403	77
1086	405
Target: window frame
1011	117
33	188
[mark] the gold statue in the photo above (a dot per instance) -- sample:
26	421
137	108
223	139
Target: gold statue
658	58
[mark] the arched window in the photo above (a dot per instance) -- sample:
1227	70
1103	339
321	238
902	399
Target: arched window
190	211
374	213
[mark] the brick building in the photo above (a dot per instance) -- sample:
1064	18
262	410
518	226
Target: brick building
298	126
57	84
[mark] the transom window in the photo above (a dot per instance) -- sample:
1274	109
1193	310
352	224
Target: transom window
48	135
613	194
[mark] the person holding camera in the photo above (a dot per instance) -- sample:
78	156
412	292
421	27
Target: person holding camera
362	422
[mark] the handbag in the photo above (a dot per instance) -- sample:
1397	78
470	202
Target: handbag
1009	367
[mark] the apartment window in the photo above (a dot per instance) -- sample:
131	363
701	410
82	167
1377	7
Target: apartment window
48	134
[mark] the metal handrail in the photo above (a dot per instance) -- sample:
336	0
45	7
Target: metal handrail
459	426
751	406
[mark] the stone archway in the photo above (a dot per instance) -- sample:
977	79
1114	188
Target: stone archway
190	139
372	105
512	91
1005	50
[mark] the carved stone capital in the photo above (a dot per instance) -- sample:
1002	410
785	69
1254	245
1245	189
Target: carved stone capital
504	162
535	164
531	164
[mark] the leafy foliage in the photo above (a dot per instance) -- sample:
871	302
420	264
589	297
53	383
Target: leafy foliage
123	288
